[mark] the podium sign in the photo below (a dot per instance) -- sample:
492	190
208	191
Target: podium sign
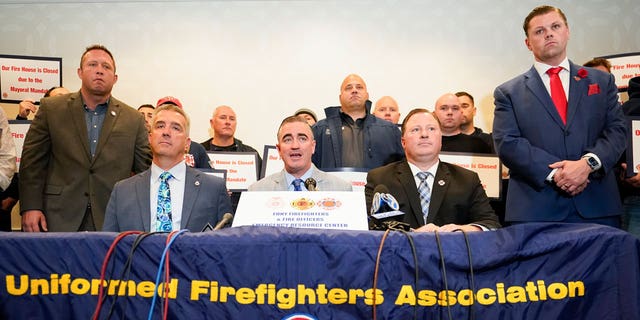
343	210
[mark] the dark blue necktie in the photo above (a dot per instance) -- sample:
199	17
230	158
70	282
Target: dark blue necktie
296	185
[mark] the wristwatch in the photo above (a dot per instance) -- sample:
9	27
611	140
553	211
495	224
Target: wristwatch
592	162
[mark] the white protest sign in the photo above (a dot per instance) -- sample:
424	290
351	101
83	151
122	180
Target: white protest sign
241	168
486	166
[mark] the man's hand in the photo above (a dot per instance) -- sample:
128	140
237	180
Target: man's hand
571	177
26	107
448	228
33	221
633	181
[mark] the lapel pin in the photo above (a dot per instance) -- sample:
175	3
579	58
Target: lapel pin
113	113
197	183
441	182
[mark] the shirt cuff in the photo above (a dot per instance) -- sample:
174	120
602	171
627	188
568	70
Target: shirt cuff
550	176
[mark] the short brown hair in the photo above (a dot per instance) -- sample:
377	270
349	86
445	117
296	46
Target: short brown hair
98	47
416	111
465	94
292	119
174	108
595	62
538	11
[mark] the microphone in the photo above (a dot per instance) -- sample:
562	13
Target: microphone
310	184
385	213
226	219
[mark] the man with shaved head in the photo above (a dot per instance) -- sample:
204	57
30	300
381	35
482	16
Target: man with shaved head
448	110
350	136
387	109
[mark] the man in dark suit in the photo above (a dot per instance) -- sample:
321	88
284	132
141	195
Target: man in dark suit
560	151
77	147
450	198
190	200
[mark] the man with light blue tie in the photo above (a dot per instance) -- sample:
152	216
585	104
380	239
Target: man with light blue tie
560	130
296	145
170	195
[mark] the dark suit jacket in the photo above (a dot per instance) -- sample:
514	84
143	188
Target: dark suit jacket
205	201
529	136
456	197
57	173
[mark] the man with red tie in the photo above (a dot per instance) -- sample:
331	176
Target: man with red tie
560	130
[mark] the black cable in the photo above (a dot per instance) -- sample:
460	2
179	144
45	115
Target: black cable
444	272
417	268
473	281
124	275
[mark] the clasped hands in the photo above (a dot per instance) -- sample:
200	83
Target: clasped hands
571	177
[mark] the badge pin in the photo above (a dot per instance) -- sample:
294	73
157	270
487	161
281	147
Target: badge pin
113	113
197	183
441	182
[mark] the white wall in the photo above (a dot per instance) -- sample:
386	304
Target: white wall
268	58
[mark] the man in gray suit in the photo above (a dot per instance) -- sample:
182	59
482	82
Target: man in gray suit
78	146
296	145
190	200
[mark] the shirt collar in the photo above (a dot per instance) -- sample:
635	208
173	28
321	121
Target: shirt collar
304	177
543	67
432	170
179	171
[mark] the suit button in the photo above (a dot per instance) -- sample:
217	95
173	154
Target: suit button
86	194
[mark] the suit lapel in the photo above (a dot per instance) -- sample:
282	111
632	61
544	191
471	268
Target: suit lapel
76	112
534	83
439	190
280	182
576	88
192	178
408	183
143	190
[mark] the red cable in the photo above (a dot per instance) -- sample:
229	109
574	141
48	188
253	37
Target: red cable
165	311
105	262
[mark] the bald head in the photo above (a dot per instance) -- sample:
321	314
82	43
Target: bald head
223	122
447	109
387	109
353	95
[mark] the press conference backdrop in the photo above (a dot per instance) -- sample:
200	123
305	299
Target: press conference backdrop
266	59
531	271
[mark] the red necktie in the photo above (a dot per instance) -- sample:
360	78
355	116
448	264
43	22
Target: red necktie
557	93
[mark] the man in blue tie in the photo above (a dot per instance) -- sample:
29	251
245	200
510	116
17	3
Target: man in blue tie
560	130
170	195
296	145
434	195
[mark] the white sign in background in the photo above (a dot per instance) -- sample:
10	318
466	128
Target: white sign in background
240	166
19	130
28	77
487	168
272	162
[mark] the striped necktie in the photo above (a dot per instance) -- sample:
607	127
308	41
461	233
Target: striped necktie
425	193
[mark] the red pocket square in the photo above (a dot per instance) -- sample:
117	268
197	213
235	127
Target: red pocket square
594	88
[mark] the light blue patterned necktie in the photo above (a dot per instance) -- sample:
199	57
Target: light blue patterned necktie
163	209
425	193
296	185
